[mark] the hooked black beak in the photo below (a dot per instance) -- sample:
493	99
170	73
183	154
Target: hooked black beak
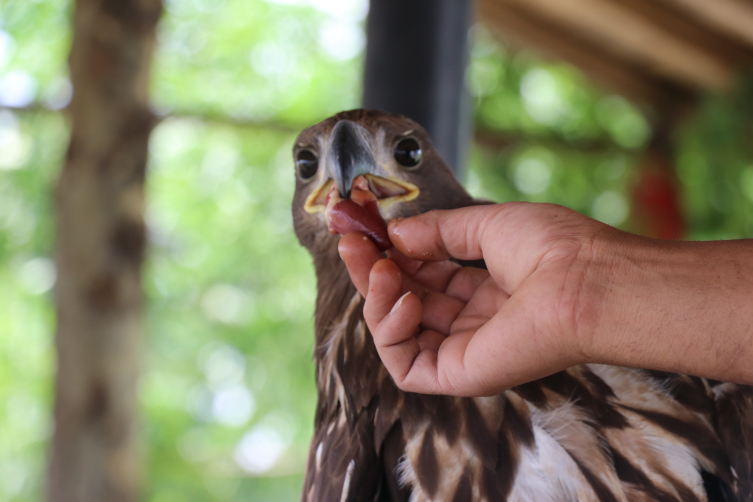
350	155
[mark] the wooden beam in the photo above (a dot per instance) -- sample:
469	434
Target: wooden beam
200	114
552	40
731	16
616	28
500	140
693	30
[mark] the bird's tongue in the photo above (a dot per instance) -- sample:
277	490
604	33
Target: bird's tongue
360	213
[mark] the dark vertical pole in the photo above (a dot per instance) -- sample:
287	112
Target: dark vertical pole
416	55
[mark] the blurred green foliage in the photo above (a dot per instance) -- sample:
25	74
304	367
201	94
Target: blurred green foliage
715	165
227	391
568	142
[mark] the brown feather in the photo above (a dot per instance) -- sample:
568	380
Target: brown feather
735	423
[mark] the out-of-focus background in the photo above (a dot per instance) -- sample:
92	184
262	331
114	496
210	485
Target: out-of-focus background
227	390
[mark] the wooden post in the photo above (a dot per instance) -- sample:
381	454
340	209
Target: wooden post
100	245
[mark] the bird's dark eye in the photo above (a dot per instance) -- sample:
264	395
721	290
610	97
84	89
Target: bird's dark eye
307	164
408	152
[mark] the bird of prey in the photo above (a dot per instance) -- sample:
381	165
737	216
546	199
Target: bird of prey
590	433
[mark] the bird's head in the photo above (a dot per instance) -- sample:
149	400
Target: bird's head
392	154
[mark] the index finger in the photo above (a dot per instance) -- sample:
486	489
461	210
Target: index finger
360	255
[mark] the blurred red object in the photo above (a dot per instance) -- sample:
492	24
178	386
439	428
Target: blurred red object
656	199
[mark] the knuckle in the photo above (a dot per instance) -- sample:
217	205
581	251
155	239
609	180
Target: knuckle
447	383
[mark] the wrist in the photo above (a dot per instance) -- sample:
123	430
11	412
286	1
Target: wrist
607	255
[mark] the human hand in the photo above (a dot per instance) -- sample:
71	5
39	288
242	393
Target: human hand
445	329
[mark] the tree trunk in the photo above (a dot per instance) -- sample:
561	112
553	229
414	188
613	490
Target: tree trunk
100	245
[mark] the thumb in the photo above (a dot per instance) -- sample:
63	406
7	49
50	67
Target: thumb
441	234
512	237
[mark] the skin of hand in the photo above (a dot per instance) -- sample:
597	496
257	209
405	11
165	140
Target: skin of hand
561	289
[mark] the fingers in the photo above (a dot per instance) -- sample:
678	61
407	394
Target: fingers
359	255
393	320
486	300
465	282
433	275
408	265
473	362
384	289
489	357
386	284
436	275
410	359
438	367
393	317
429	361
440	311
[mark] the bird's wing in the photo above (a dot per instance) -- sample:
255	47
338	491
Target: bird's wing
589	433
342	464
734	406
356	415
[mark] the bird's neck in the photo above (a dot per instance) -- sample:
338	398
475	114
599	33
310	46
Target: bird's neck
347	363
335	292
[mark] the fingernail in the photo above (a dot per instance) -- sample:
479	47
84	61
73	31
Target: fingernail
399	302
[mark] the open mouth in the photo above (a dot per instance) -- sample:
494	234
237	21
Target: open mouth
386	191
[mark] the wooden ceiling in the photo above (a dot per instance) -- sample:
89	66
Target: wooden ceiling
659	53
